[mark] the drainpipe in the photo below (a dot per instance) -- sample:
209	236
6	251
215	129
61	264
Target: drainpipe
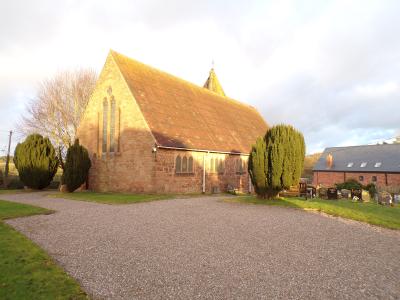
204	173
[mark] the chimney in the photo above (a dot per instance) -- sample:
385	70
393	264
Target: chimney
329	161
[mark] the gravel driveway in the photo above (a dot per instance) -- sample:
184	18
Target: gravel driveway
204	248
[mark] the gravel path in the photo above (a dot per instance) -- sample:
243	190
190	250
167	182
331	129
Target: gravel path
203	248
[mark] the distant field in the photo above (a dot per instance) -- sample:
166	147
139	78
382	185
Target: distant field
14	172
11	167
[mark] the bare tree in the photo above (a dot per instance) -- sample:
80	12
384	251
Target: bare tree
58	106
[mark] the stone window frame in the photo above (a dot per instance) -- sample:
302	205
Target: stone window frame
179	165
216	165
221	166
104	143
211	168
113	112
110	122
240	166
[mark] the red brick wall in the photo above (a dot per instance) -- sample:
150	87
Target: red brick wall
393	179
327	178
330	178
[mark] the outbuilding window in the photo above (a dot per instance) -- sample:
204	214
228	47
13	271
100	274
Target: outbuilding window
374	179
361	178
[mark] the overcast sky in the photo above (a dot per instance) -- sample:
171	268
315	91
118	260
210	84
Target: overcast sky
330	68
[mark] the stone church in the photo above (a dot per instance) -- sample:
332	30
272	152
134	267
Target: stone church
148	131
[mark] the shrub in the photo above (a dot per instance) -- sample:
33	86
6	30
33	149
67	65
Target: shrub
372	190
350	184
15	184
36	161
77	167
276	161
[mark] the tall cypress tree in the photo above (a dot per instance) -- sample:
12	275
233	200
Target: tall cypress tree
77	166
258	162
36	161
283	151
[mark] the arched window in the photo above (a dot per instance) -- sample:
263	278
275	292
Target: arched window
178	164
221	166
105	123
239	166
112	125
184	164
190	165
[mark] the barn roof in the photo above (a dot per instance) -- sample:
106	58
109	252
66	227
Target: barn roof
367	158
183	115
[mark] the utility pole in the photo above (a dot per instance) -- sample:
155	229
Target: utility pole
7	160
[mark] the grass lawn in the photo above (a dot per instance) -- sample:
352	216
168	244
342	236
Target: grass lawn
27	272
111	198
371	213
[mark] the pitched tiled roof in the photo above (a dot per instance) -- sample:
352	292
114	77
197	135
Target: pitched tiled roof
184	115
212	83
350	159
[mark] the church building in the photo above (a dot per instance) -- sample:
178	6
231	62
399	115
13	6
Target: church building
148	131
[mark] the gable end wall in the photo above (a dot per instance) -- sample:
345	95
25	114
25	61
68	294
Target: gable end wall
131	167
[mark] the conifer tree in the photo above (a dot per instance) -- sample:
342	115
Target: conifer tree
77	166
258	162
36	161
282	150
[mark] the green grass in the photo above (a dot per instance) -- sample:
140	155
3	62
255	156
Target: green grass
111	198
26	271
371	213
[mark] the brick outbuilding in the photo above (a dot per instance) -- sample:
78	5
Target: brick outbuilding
148	131
379	164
